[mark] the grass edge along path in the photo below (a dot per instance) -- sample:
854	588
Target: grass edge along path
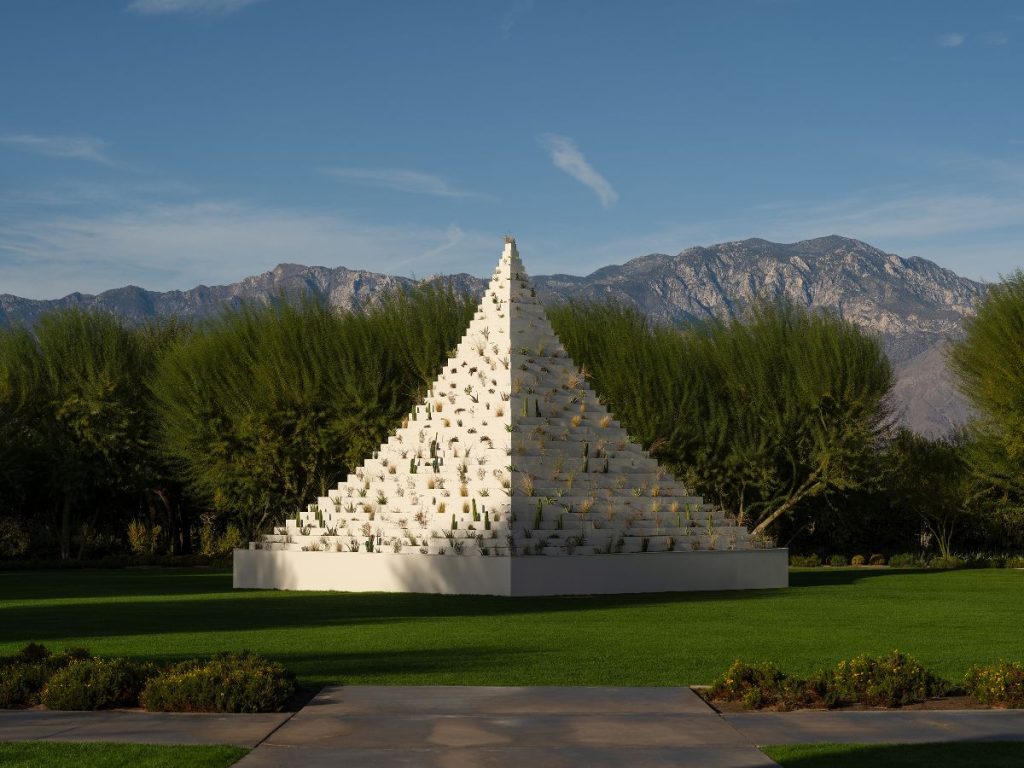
46	754
948	620
955	754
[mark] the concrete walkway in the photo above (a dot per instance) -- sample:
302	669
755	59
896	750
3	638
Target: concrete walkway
138	727
385	726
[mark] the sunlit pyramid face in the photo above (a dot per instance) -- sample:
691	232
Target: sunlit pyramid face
511	453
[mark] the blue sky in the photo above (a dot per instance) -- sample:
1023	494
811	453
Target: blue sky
167	143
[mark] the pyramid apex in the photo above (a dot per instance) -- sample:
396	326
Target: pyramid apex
510	246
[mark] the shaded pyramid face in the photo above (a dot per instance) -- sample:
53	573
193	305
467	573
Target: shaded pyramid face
509	454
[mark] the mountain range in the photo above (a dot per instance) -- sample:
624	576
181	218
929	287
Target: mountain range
914	306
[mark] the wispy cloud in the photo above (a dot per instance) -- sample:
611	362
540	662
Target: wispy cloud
77	147
400	179
194	7
166	246
512	16
950	40
567	157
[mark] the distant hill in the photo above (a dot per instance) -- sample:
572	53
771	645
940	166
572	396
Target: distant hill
914	305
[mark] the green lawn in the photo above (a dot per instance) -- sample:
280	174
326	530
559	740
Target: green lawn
46	754
948	619
969	754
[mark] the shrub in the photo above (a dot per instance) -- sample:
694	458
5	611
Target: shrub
1016	561
837	561
23	675
857	560
876	560
946	562
142	539
758	686
804	561
243	682
1000	685
887	681
87	684
13	538
906	560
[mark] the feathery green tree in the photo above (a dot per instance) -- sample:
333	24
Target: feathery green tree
264	408
760	413
989	364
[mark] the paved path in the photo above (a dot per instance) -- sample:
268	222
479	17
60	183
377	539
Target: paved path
906	727
385	727
138	727
452	727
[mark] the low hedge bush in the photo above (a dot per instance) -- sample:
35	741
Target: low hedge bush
97	683
999	685
857	560
906	560
804	561
893	680
23	675
876	560
837	561
242	682
760	686
887	681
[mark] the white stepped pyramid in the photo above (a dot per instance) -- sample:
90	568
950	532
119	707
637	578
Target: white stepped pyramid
510	477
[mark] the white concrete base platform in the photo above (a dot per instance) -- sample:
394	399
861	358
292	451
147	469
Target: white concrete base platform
702	570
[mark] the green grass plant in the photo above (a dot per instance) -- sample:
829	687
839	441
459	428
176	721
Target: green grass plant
962	754
686	638
46	754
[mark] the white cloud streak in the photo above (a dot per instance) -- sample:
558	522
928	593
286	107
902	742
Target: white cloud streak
950	40
512	16
177	246
400	179
567	157
76	147
193	7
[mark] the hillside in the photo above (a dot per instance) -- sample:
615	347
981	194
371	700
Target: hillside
914	305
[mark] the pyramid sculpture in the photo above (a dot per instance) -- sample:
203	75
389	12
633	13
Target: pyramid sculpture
511	453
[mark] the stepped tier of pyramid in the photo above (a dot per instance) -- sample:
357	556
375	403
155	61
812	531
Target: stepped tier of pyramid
510	477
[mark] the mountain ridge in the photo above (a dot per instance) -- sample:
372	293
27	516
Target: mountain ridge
914	305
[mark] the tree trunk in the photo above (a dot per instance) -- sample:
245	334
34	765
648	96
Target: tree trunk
65	529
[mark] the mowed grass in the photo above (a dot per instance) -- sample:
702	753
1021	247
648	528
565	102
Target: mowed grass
47	754
947	619
966	754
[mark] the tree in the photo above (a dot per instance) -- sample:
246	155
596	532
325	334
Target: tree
72	407
266	407
760	413
989	365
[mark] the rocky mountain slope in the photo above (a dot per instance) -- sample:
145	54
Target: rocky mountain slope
914	305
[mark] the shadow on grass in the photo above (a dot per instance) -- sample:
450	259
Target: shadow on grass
826	577
975	754
152	603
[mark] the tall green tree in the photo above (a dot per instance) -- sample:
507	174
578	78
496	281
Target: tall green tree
266	407
73	407
761	413
989	365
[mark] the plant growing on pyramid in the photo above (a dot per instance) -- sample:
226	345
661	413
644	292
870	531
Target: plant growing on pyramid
526	483
455	523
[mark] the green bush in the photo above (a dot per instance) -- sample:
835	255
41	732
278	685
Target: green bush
243	682
857	560
837	561
804	561
906	560
946	562
96	683
887	681
1000	685
1016	561
759	686
23	675
876	560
